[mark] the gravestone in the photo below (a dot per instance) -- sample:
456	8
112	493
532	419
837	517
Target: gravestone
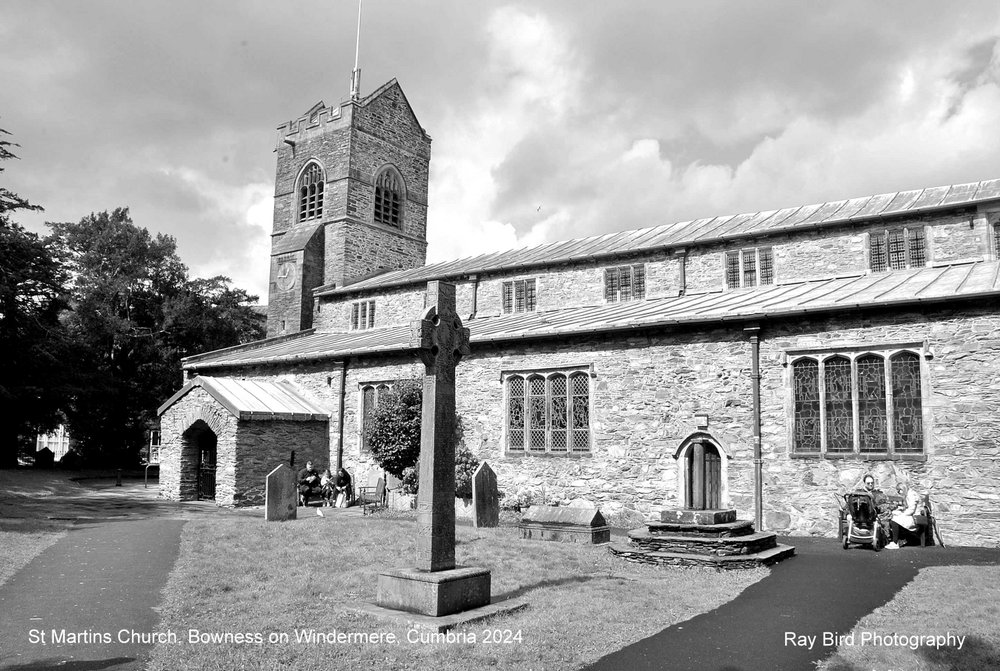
485	497
435	586
565	524
281	495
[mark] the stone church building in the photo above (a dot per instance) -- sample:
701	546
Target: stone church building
640	370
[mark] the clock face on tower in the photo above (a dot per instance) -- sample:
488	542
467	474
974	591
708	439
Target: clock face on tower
286	275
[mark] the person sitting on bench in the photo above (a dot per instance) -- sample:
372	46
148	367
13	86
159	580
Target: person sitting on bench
902	518
308	481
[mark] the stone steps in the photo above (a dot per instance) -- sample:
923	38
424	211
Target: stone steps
737	528
701	538
703	545
657	558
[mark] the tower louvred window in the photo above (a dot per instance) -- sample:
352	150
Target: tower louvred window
389	199
311	193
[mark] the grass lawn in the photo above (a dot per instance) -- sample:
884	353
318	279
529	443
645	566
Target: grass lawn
22	539
961	600
236	576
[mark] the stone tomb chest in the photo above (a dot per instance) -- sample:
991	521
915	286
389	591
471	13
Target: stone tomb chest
221	437
565	524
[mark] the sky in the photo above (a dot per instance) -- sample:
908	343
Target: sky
550	120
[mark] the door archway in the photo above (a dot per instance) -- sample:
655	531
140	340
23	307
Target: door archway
702	473
199	456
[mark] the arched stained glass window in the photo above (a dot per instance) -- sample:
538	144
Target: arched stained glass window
854	400
389	198
311	193
536	414
515	413
580	399
907	411
839	407
548	413
872	427
805	383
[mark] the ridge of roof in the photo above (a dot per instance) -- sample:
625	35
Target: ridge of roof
687	233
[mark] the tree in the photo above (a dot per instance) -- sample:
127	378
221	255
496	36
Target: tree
394	432
33	342
394	439
135	315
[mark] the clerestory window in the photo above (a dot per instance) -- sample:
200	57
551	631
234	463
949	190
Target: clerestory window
311	193
519	296
548	413
389	198
867	403
362	315
749	267
625	283
896	248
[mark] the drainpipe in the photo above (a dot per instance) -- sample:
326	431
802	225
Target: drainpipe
754	332
475	295
682	277
340	415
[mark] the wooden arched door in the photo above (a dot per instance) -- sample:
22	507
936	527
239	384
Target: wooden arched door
704	477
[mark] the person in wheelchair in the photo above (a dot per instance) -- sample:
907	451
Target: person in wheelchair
883	506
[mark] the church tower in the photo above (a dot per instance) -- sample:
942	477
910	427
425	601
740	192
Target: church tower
350	200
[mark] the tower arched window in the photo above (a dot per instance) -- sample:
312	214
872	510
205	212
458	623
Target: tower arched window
311	193
389	198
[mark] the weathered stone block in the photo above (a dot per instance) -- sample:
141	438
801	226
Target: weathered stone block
485	497
698	516
567	525
434	593
280	495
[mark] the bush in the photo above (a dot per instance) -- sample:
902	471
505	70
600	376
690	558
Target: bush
466	464
394	432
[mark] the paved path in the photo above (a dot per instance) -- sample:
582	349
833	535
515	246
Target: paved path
822	589
98	584
104	576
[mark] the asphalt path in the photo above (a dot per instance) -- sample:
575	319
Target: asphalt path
87	602
824	589
104	578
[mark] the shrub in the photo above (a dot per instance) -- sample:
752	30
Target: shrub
394	432
466	464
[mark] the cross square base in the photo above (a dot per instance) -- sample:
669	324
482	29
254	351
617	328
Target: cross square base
434	593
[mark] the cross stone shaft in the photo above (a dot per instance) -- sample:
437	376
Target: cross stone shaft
441	341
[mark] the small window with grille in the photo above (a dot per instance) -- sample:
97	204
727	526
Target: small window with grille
362	315
625	283
749	267
518	296
548	413
311	193
389	198
996	240
897	248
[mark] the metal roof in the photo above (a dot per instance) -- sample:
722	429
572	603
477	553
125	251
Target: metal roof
686	233
252	399
898	288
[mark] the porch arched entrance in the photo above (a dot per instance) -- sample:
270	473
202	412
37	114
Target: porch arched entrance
199	457
701	473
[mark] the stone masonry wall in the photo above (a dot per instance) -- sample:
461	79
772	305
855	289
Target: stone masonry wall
961	471
196	405
262	445
647	389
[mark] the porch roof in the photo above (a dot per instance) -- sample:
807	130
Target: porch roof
253	399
